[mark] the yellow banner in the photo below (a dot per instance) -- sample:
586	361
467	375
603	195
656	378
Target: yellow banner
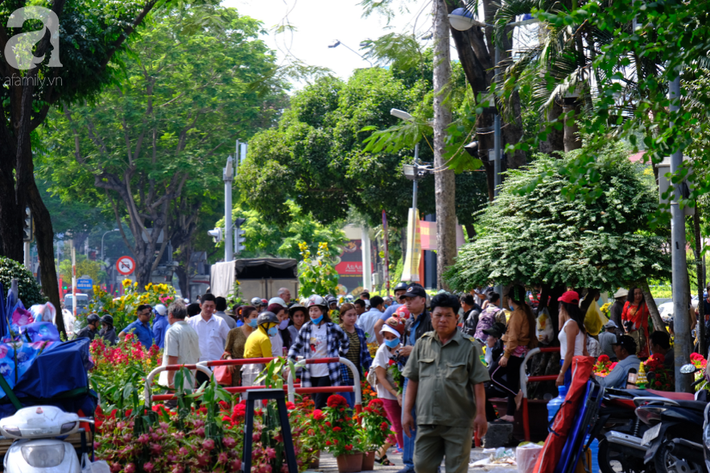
414	248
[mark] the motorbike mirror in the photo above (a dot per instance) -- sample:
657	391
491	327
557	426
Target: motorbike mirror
688	369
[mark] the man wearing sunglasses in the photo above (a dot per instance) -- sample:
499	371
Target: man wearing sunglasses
399	291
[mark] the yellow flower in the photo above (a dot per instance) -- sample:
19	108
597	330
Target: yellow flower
126	282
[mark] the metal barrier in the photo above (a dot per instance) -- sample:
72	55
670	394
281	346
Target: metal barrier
525	379
291	387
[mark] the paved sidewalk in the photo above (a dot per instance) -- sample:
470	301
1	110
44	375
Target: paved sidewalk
328	464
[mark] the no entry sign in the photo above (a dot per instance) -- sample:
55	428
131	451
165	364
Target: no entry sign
125	265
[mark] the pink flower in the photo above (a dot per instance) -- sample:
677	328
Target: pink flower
208	444
229	442
236	465
155	448
184	451
271	453
200	431
144	439
256	438
222	457
130	468
148	466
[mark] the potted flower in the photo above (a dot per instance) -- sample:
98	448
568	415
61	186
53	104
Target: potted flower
341	435
658	376
603	366
373	431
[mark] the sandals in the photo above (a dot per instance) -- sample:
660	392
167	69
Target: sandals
384	461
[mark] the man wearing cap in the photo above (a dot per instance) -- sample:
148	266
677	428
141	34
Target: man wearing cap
625	349
618	306
160	324
446	379
399	291
418	324
607	339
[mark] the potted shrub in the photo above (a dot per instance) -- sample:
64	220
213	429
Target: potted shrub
341	435
373	430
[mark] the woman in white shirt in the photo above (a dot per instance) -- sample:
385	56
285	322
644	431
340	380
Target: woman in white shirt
572	336
387	389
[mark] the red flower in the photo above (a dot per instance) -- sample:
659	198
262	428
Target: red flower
337	429
327	423
658	384
290	406
603	358
318	415
337	400
348	447
327	443
384	426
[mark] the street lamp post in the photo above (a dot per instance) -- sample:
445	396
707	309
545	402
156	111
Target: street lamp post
102	243
228	178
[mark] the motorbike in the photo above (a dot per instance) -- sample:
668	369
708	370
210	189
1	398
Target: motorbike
675	430
37	448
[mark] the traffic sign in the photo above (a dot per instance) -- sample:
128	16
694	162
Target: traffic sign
85	284
125	265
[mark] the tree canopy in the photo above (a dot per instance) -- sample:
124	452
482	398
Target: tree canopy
546	237
317	158
152	146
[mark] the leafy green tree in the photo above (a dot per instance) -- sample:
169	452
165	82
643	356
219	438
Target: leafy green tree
84	266
598	238
29	291
263	239
317	158
90	35
153	145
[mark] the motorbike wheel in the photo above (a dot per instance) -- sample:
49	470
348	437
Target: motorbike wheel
613	458
666	462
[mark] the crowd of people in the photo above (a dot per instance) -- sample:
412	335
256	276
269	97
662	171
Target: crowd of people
438	361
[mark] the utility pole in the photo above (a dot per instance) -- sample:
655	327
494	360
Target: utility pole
228	177
444	179
681	291
73	277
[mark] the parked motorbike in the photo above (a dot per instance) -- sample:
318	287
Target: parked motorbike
675	430
37	448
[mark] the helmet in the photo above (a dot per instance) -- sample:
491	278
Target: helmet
255	301
160	309
107	319
92	318
401	286
264	302
277	300
267	318
316	300
331	300
296	307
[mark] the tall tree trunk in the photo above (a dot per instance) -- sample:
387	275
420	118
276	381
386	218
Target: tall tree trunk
444	178
555	138
658	323
572	139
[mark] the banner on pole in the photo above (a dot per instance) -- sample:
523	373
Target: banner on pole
410	271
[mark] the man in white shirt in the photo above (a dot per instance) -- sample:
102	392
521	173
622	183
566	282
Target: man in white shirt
182	345
212	332
367	320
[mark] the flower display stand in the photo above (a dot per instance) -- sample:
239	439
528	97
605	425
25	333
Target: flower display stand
280	397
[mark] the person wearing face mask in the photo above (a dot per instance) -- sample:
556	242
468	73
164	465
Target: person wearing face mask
237	339
281	340
358	353
387	389
320	338
258	345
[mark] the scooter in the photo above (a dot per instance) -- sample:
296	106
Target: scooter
673	440
38	448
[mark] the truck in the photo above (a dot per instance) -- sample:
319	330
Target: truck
258	277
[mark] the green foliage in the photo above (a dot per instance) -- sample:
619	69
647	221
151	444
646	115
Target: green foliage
263	239
317	275
30	292
318	155
84	266
535	234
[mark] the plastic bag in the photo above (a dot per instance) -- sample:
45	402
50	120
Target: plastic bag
526	456
594	320
87	466
543	328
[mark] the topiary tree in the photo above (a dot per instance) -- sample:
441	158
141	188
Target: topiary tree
539	233
30	292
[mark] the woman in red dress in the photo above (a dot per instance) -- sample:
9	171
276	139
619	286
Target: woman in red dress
634	318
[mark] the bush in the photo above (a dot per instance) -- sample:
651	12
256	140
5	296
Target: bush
30	292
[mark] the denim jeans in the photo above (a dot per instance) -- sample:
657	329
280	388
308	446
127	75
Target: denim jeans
408	450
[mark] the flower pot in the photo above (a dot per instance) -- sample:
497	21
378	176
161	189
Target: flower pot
314	460
368	461
350	463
